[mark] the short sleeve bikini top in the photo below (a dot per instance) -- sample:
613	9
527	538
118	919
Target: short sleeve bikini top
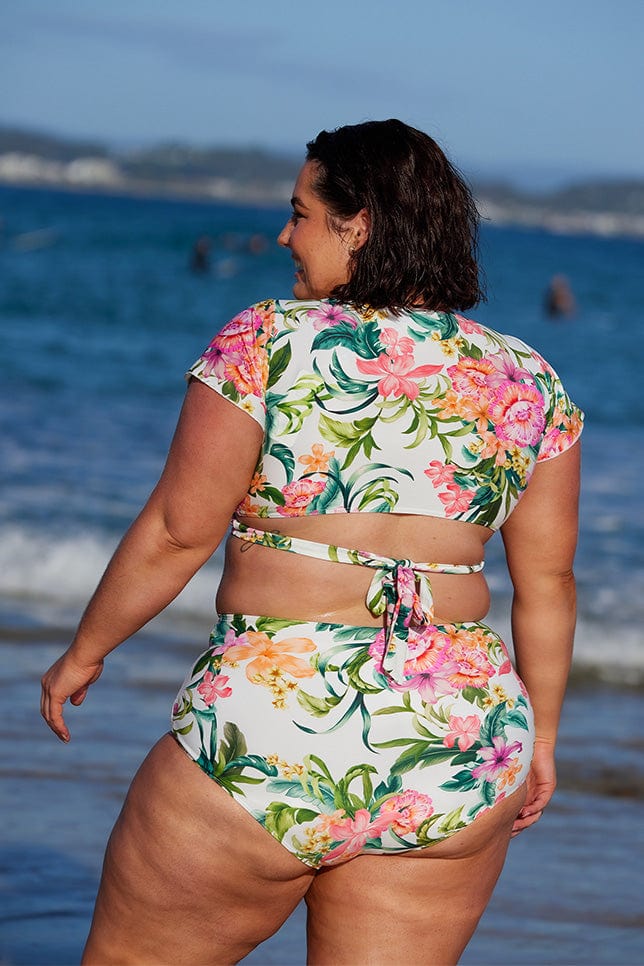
376	412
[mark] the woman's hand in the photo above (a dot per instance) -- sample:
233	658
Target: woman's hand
66	679
541	783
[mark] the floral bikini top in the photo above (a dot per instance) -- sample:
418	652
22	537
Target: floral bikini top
414	412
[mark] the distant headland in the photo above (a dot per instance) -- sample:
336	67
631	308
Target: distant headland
608	207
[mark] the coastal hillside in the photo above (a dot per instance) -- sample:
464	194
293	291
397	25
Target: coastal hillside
256	176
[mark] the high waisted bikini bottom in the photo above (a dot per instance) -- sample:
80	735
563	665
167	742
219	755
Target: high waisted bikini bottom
303	725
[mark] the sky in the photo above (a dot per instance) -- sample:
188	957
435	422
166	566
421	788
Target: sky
539	92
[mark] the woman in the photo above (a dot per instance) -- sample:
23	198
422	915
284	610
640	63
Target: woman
381	745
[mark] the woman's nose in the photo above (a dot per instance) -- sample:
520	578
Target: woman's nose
284	235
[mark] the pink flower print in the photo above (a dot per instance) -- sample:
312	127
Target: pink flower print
518	414
398	374
424	647
396	345
230	640
495	759
456	500
473	669
329	314
471	376
213	687
249	372
242	328
298	495
427	668
467	325
506	370
506	667
354	832
463	731
440	473
216	358
408	811
431	684
557	440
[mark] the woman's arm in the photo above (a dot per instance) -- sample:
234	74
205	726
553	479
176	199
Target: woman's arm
540	539
210	464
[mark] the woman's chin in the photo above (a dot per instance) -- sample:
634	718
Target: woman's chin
300	290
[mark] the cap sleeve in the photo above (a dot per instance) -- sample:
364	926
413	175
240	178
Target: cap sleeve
564	420
235	364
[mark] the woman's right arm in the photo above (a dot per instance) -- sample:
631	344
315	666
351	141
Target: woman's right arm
209	466
540	539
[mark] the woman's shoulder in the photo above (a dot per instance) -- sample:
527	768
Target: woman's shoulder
490	341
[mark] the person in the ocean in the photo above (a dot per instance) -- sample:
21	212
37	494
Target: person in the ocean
559	300
354	734
200	255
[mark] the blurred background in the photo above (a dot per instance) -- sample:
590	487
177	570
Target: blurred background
147	155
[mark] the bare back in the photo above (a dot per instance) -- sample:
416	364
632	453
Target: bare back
266	581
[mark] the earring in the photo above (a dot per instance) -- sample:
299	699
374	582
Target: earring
352	250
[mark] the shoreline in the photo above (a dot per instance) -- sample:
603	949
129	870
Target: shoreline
224	191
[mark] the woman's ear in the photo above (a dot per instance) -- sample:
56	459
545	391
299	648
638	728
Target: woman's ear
360	228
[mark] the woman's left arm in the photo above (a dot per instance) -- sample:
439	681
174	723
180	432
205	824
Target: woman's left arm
209	467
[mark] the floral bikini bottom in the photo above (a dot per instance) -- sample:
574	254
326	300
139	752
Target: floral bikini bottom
342	740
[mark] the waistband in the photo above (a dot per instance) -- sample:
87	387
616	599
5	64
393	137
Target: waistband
400	589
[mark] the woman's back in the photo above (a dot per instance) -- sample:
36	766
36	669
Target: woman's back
409	434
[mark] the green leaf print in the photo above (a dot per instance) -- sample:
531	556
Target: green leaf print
393	709
278	364
353	436
205	661
250	761
379	490
286	458
362	339
463	781
316	707
488	791
428	323
298	404
184	708
332	494
280	818
299	789
351	802
273	494
271	625
387	788
424	753
493	725
452	822
353	671
475	695
233	745
516	718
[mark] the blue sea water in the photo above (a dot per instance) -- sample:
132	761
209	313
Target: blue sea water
100	315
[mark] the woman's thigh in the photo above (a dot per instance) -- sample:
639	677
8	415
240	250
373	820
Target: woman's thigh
420	908
189	876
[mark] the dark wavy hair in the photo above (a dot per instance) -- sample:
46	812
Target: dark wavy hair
422	244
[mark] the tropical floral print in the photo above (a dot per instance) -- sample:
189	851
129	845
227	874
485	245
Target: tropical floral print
415	412
306	730
343	740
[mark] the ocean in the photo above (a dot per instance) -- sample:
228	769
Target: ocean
100	315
